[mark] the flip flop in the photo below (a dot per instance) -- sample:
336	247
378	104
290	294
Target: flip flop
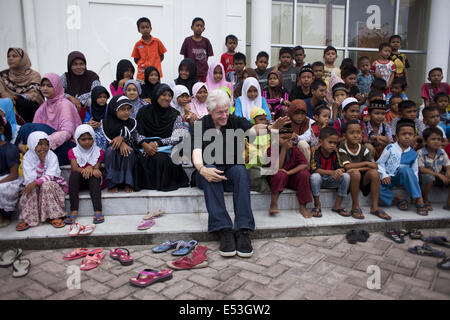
80	253
185	248
438	240
199	260
444	264
57	223
149	276
341	211
22	226
426	250
122	255
97	219
166	246
74	230
69	219
146	224
394	236
86	230
381	214
8	257
92	261
421	209
316	212
21	268
415	234
154	214
401	204
352	236
363	236
357	214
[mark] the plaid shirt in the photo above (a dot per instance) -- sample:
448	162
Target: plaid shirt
437	164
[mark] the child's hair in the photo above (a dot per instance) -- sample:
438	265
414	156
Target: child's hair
286	129
395	36
434	69
7	132
361	59
374	93
239	57
196	19
440	95
429	131
285	50
348	71
326	132
379	83
143	19
399	81
261	55
383	45
346	63
231	37
404	123
405	105
395	96
318	83
298	48
318	109
318	64
329	48
349	123
428	110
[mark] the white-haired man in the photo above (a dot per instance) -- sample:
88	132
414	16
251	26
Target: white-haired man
218	172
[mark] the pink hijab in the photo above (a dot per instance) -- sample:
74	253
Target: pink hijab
200	109
58	112
211	84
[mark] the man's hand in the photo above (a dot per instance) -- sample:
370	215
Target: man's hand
386	180
444	178
338	174
372	165
212	174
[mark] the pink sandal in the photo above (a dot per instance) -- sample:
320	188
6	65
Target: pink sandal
149	276
146	224
92	261
80	253
199	260
122	255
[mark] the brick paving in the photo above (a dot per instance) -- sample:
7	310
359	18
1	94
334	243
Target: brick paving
321	267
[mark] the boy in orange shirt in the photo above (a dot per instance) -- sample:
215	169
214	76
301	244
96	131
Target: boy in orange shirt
149	51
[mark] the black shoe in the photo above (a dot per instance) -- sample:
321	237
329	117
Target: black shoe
243	244
227	243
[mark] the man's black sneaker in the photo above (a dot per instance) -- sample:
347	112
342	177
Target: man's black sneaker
243	244
227	243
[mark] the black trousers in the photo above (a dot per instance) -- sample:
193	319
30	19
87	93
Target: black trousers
77	183
26	108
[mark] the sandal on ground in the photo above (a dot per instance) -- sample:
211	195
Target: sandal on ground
381	214
74	229
86	230
154	214
199	260
98	218
149	276
352	236
428	206
363	236
357	214
316	212
415	234
146	224
444	264
22	226
69	219
21	268
421	210
92	261
8	257
184	248
80	253
122	255
438	240
57	223
342	212
394	236
426	250
401	204
166	246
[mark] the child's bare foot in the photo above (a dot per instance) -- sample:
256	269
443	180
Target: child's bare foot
129	189
113	190
305	213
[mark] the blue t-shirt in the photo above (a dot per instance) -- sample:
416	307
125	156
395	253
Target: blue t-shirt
310	108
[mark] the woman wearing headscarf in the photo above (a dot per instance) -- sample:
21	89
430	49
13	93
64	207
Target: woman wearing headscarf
78	82
152	79
21	84
125	71
187	74
7	112
160	127
57	117
251	97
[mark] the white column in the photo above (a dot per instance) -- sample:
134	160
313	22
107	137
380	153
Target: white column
30	32
439	37
261	29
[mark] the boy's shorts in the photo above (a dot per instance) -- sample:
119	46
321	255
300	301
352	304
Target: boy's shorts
426	179
365	189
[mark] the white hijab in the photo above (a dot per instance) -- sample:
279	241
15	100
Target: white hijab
178	90
82	155
31	159
246	103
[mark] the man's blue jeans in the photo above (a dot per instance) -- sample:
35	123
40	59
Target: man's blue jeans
238	182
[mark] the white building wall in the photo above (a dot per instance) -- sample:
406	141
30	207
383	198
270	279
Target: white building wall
105	30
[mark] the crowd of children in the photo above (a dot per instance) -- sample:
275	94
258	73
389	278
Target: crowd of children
352	129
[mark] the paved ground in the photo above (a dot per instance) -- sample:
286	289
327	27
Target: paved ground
322	267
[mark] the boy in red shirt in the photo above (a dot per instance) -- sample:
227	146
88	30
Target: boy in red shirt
231	43
149	51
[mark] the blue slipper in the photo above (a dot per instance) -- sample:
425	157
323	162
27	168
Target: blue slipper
69	219
426	250
184	248
97	219
167	246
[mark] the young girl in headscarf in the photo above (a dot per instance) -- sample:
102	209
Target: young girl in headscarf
301	126
117	138
45	190
251	97
277	97
198	103
215	78
180	103
152	78
7	111
125	72
99	107
132	90
10	180
187	75
85	160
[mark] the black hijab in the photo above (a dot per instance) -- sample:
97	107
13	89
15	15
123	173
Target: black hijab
189	83
122	66
98	112
78	85
147	87
154	120
113	126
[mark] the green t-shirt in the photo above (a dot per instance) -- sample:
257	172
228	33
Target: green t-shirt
363	154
